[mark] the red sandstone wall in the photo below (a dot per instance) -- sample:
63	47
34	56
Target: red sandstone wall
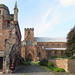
61	63
3	35
67	64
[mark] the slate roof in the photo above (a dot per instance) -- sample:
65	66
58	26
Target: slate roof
50	39
55	48
4	6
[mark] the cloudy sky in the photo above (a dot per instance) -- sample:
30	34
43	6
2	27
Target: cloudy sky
49	18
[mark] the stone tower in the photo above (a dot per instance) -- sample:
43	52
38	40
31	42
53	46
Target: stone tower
16	12
4	11
29	34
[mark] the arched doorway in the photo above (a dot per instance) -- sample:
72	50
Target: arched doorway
30	57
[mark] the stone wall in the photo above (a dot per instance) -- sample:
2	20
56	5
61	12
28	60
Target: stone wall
67	64
71	65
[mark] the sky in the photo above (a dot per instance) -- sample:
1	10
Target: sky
49	18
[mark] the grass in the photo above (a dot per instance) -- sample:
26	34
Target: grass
49	68
36	63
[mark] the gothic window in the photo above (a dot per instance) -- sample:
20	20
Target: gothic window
55	53
0	11
29	42
39	54
28	32
8	25
61	53
49	53
6	43
38	49
59	45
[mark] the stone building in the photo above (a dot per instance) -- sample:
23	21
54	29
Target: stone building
37	48
30	48
10	39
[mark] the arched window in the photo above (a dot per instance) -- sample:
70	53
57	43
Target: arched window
29	42
28	32
39	54
55	54
61	53
8	25
0	11
5	42
38	49
49	54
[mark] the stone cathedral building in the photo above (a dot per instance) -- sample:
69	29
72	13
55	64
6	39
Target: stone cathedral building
37	48
10	39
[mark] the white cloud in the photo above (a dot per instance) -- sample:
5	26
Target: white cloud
44	26
67	2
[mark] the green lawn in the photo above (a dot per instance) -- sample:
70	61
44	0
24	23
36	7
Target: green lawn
36	63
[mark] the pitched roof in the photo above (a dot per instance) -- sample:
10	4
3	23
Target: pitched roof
4	6
50	39
55	48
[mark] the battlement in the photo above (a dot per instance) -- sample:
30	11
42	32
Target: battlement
29	28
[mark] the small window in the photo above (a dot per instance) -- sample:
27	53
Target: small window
0	11
8	25
5	42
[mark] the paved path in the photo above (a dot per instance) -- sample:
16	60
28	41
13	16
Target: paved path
31	70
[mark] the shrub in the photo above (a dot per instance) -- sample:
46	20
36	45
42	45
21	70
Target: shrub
27	59
52	57
58	69
27	63
22	61
73	57
36	63
43	62
50	64
51	67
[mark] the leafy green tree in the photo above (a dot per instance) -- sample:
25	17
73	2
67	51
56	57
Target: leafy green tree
71	43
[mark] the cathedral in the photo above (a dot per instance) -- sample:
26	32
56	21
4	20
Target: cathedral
12	48
37	48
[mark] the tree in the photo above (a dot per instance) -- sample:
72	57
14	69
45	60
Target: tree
71	43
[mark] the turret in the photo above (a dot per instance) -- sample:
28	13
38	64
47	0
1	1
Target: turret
29	34
16	12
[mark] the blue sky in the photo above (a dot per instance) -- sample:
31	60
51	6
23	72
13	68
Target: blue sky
49	18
